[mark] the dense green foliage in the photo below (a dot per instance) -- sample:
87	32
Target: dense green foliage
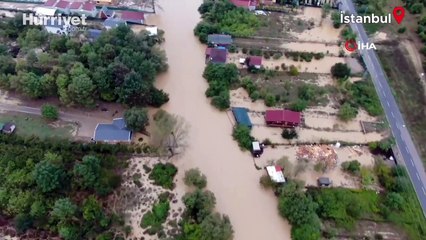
347	112
137	119
163	175
241	134
289	133
193	177
199	220
40	187
49	112
153	219
118	67
340	70
353	167
220	78
223	17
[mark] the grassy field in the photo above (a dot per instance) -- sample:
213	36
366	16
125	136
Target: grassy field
29	125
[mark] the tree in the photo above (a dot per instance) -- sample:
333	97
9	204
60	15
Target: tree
270	100
92	210
136	119
88	172
163	175
199	204
64	209
347	112
353	167
289	133
335	17
81	89
48	176
193	177
395	201
216	227
49	112
306	232
69	232
32	86
340	70
168	130
241	134
293	71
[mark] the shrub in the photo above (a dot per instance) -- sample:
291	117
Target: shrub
266	182
242	135
270	100
244	50
232	49
289	133
353	167
340	70
277	55
347	112
221	102
299	105
193	177
49	112
402	29
154	219
293	71
163	175
255	95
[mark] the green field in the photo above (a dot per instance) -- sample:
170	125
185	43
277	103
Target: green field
29	125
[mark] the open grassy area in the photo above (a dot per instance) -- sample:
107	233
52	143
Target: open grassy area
29	125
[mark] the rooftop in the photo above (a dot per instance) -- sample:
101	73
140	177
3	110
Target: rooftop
219	39
50	3
113	22
276	173
283	115
76	5
255	61
218	55
88	6
113	132
62	4
131	16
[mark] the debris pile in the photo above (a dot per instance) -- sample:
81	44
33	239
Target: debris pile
318	154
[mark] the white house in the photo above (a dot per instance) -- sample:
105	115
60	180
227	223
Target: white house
276	173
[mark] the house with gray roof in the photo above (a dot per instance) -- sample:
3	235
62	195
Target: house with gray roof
219	40
113	132
110	23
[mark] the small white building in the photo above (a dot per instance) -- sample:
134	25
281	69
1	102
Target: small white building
45	11
276	173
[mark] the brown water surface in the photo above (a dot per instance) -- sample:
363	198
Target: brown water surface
230	172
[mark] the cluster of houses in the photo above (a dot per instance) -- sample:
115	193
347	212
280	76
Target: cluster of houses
254	4
111	18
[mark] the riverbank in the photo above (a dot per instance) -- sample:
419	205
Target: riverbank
231	173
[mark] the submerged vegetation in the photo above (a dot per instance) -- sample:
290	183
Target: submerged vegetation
223	17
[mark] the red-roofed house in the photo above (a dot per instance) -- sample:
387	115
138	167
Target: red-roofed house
63	7
50	3
75	7
283	118
216	55
133	17
254	61
249	4
89	9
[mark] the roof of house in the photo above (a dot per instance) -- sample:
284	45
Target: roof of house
44	11
255	146
244	3
241	116
324	181
283	116
9	127
62	4
276	173
94	33
218	55
131	16
113	22
115	131
76	5
88	6
255	61
219	39
50	3
107	11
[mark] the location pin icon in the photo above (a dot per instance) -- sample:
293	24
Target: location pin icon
398	14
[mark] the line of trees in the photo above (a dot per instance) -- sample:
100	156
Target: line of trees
120	66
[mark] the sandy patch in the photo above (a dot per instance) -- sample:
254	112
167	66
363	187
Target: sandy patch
379	36
313	47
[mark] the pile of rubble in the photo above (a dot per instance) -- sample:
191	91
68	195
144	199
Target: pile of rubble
318	153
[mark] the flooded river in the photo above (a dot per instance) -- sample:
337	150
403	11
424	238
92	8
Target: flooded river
230	172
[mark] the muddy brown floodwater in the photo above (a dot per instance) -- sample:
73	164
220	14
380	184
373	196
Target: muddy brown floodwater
231	173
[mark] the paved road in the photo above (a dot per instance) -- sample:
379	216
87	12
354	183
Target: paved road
403	139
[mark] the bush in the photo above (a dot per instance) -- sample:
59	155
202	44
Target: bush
266	182
277	55
163	175
242	135
270	100
289	133
347	112
299	105
221	102
153	220
340	70
293	71
402	29
353	167
49	112
193	177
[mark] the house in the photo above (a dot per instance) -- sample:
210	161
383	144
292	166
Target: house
45	11
216	55
248	4
113	132
241	116
63	7
324	182
93	34
256	149
55	27
254	62
133	17
276	173
105	13
219	40
75	7
89	9
113	23
283	118
50	3
7	128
